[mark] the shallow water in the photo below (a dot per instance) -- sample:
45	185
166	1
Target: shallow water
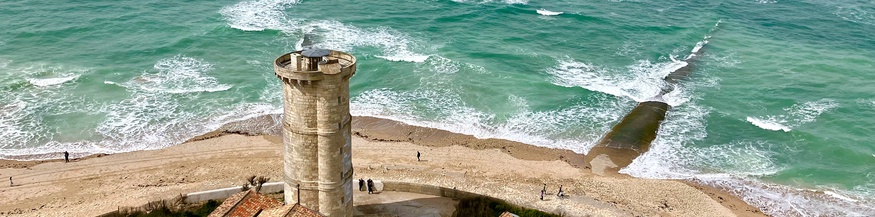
779	107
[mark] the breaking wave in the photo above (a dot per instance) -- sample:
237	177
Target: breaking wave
795	116
45	82
259	15
574	128
270	14
640	82
511	2
179	74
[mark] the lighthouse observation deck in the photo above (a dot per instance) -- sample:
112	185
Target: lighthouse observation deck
314	64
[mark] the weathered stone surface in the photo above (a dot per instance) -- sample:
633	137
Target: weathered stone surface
316	130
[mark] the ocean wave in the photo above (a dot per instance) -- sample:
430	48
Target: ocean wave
395	45
863	14
766	1
140	123
443	65
15	126
4	63
574	128
45	82
734	167
770	123
326	34
777	200
405	58
545	12
178	74
797	115
510	2
644	83
259	15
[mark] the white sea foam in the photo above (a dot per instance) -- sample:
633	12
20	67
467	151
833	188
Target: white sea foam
443	65
857	13
669	155
395	46
640	82
45	82
795	116
770	123
545	12
329	34
4	63
785	201
573	128
839	196
259	15
405	58
22	111
511	2
734	166
179	74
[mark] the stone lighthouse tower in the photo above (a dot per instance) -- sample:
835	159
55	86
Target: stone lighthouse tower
316	129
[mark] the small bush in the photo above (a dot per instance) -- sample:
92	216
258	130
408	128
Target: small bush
486	207
162	208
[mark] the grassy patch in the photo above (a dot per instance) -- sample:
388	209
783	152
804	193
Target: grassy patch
486	207
161	209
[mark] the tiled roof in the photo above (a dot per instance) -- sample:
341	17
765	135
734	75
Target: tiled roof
253	204
290	211
508	214
245	204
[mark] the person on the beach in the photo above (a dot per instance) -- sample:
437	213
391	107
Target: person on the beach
66	157
560	194
542	194
370	186
10	181
417	155
361	184
545	188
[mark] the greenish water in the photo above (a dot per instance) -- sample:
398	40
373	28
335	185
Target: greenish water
778	109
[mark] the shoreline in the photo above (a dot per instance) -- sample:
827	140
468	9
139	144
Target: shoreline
388	132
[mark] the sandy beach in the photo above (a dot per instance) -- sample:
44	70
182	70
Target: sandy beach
382	150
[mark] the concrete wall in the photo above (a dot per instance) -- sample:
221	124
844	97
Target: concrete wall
222	193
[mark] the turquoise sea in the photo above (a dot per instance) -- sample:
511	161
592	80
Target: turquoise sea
779	109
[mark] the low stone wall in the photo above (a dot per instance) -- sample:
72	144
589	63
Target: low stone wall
428	190
222	193
379	186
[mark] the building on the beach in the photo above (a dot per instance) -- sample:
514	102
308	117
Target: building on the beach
316	129
253	204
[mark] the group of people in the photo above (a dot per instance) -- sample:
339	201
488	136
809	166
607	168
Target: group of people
560	194
370	185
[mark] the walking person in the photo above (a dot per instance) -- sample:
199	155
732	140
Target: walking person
370	186
561	193
10	181
361	184
66	157
417	155
542	194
